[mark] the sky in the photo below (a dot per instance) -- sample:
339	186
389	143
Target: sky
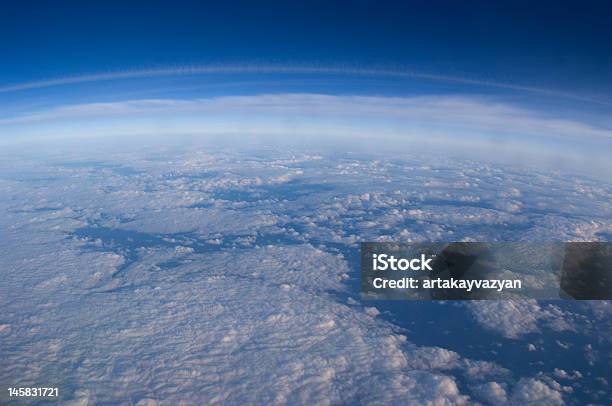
549	44
521	82
517	70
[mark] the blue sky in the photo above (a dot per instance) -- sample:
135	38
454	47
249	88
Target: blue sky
532	76
545	44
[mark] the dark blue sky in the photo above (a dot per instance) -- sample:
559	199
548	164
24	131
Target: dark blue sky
555	45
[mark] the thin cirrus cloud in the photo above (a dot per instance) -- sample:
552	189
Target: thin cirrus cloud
424	115
292	69
476	127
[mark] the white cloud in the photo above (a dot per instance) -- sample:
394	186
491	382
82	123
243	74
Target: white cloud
372	311
531	391
221	329
289	69
563	374
269	323
492	392
474	126
441	114
514	318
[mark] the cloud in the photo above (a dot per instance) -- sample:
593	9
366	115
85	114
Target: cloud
514	318
563	374
441	113
474	127
531	391
191	313
492	393
288	69
245	327
237	326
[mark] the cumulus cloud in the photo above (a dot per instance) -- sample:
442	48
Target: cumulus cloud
168	275
531	391
563	374
492	393
514	318
222	329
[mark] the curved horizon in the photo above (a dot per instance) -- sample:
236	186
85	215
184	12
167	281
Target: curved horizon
188	70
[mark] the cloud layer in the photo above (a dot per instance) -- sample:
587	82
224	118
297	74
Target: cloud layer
293	70
473	126
205	274
453	114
